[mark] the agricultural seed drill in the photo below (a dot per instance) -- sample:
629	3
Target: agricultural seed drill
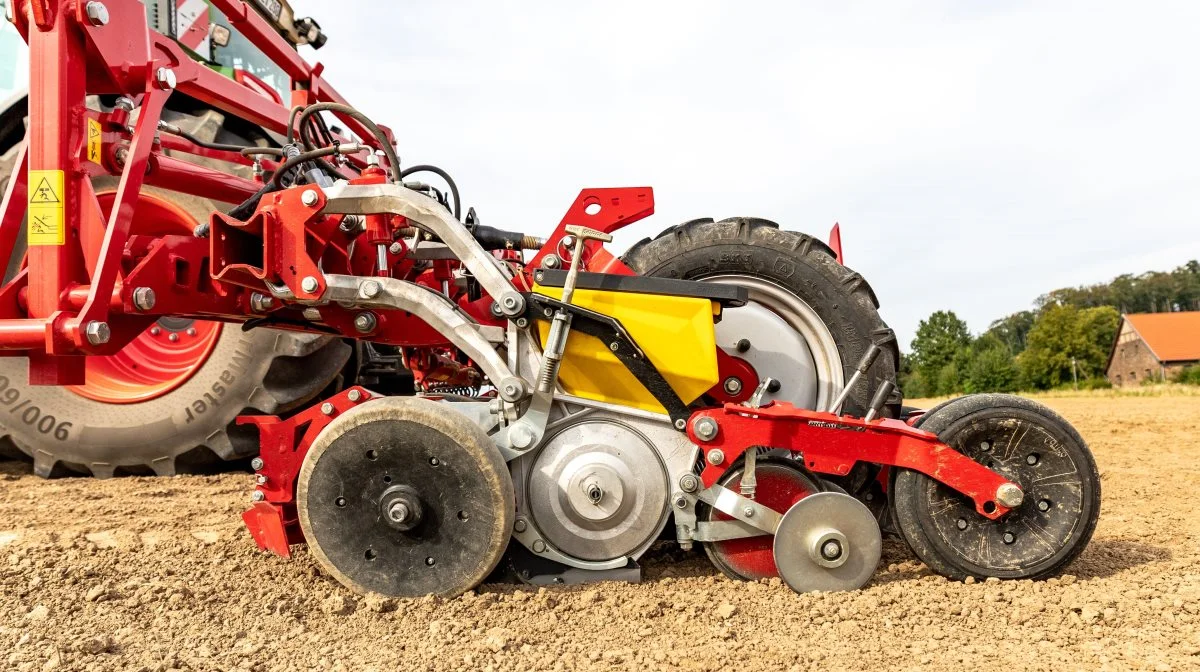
727	384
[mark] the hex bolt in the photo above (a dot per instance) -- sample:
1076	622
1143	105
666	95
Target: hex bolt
1009	537
520	525
396	248
986	446
354	395
261	303
143	298
309	284
122	155
831	550
370	289
550	261
681	424
1009	495
123	103
961	523
705	428
689	483
327	408
733	385
201	230
748	512
433	461
256	463
716	456
1031	459
261	479
539	546
1043	505
97	13
257	496
308	198
365	322
680	502
165	78
97	332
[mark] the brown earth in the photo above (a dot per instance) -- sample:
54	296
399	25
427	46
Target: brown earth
158	574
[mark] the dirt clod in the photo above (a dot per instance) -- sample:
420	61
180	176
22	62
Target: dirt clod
141	581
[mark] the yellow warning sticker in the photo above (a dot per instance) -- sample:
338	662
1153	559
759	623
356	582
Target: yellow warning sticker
46	207
93	140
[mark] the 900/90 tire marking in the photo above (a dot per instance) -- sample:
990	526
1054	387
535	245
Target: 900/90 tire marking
31	414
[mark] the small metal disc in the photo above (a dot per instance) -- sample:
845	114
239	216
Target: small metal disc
827	541
405	497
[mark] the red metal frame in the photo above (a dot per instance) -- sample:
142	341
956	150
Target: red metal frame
833	444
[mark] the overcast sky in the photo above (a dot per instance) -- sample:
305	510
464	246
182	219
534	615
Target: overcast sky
977	154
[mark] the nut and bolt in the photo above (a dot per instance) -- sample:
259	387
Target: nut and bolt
1009	495
97	332
257	496
1043	505
261	479
165	78
567	241
398	512
354	396
395	248
143	298
1009	538
97	13
309	284
680	502
748	511
716	456
551	261
733	385
961	523
1031	459
350	223
522	323
256	463
689	483
261	303
520	525
124	103
201	230
539	546
370	289
831	550
511	390
614	346
681	424
521	436
308	197
705	429
327	408
365	322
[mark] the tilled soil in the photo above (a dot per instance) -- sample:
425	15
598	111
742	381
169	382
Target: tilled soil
159	574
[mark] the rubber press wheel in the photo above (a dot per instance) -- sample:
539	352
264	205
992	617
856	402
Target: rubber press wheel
809	319
1030	445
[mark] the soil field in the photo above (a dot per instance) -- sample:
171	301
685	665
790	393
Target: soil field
158	574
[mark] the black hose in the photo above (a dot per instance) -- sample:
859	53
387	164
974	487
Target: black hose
365	121
302	158
426	168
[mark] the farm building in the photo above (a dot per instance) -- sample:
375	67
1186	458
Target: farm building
1153	346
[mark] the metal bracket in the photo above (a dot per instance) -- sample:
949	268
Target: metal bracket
746	510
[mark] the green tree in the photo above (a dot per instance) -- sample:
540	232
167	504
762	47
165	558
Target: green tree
1012	330
934	349
1063	333
989	366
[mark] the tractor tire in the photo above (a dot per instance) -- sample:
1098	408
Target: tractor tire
797	278
187	422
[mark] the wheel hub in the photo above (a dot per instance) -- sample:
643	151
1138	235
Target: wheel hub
828	541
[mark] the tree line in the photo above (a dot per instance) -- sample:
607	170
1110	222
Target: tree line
1064	341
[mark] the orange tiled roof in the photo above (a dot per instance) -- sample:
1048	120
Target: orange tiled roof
1173	337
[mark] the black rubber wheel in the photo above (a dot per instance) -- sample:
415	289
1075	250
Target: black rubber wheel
767	258
1032	446
431	463
187	428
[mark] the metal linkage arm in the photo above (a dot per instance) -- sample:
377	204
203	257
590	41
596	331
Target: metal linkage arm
428	214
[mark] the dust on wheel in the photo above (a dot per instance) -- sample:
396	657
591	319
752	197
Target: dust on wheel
1031	446
405	497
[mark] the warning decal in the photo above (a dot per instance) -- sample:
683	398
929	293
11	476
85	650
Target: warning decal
93	140
46	207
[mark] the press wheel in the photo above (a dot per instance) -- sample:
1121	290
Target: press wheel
1030	445
405	497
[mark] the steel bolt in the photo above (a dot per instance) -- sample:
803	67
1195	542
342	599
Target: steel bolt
191	331
614	346
122	155
173	337
1031	459
396	248
680	502
567	241
733	385
365	322
521	436
261	479
689	483
327	408
370	289
1043	505
261	303
1009	495
539	546
354	395
716	456
165	78
257	496
551	261
256	463
309	284
748	512
522	323
124	103
986	446
520	525
398	512
961	523
97	332
831	550
155	330
143	298
201	230
1009	537
97	13
308	198
705	429
681	424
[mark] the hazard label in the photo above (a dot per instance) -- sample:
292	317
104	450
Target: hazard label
46	207
93	140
